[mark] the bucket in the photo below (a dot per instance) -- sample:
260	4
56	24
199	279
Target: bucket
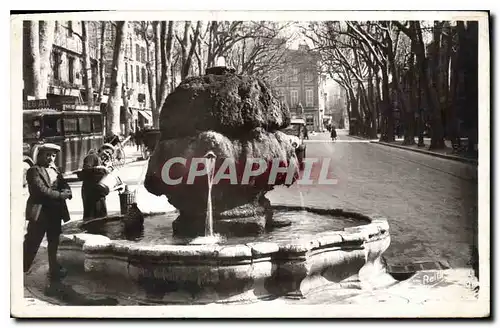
110	182
127	198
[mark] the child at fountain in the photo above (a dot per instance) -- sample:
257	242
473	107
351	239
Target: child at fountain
45	209
94	169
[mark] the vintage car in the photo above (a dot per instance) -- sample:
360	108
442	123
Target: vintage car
297	131
76	132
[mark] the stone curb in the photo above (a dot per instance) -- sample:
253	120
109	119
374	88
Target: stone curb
422	151
431	153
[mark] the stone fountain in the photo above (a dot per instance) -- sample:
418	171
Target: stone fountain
220	116
234	117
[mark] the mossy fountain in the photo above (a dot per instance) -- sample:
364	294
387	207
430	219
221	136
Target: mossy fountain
227	242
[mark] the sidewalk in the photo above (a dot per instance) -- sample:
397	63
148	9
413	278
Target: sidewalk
446	153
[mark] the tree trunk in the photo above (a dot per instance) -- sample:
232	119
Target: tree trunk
125	98
454	93
437	133
47	29
184	51
41	39
378	101
152	86
102	66
409	135
33	81
371	98
424	82
199	57
348	109
186	65
158	62
115	94
166	46
471	82
87	69
387	133
354	112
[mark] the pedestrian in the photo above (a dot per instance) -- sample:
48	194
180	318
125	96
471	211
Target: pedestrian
306	133
139	138
45	209
333	134
94	169
132	138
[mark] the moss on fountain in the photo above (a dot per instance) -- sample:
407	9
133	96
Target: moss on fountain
237	117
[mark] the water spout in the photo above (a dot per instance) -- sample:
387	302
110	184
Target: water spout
210	237
209	164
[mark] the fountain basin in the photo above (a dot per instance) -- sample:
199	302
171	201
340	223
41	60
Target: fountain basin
347	258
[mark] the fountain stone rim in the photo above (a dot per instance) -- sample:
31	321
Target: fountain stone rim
354	235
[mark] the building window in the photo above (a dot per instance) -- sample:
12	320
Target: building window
70	125
294	95
309	98
295	75
137	53
57	65
143	55
143	73
80	72
96	124
309	76
70	28
137	74
85	124
71	69
131	74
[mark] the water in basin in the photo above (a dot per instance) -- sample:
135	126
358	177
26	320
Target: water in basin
157	229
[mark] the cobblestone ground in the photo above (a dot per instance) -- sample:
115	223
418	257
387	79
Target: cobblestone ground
430	203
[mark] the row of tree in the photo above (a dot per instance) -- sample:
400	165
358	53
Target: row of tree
174	51
404	75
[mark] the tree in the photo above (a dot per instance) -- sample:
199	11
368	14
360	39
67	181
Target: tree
41	38
188	46
158	67
349	61
115	93
102	67
87	70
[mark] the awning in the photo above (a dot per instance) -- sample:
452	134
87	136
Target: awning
146	115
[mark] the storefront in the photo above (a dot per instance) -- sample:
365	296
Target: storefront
144	118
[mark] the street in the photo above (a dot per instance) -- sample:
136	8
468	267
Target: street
430	203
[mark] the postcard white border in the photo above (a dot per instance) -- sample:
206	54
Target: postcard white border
482	307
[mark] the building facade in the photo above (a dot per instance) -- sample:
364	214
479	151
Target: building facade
301	87
336	105
66	70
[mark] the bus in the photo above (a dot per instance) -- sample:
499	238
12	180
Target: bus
76	132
